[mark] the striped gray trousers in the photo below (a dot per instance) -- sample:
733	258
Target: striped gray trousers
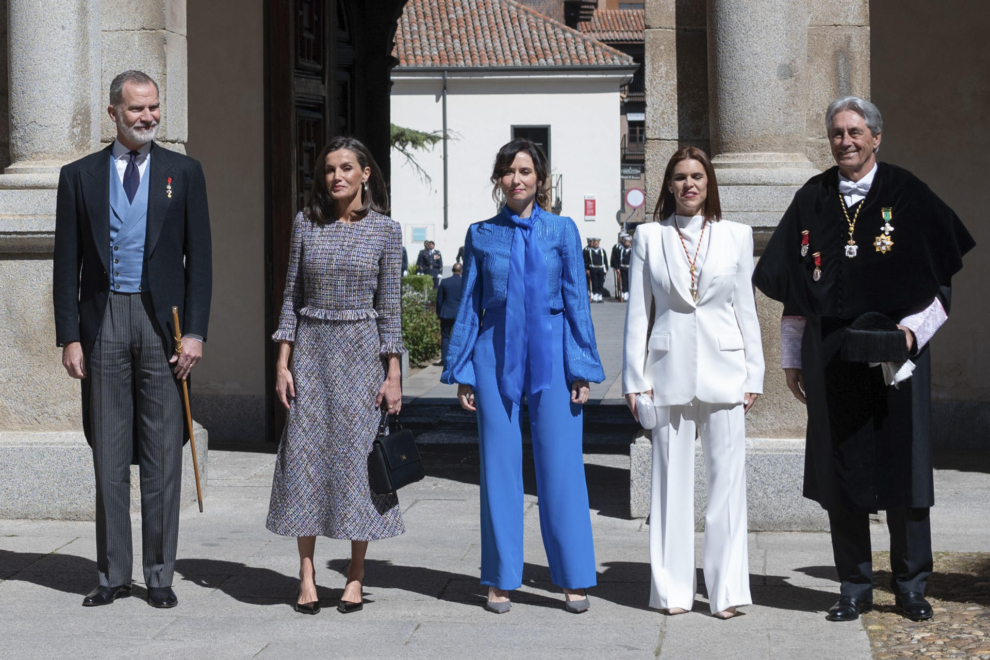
134	396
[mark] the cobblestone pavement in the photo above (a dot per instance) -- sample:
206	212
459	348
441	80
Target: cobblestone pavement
959	592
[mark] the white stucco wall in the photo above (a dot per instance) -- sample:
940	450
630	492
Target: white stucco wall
582	111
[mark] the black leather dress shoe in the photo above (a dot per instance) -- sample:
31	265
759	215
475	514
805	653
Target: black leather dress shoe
914	606
162	597
106	595
848	608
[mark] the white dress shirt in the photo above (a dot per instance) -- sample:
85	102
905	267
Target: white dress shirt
121	155
856	191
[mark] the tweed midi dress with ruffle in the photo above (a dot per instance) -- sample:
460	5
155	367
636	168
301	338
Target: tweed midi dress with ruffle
342	310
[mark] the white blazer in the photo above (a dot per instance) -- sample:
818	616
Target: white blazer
709	350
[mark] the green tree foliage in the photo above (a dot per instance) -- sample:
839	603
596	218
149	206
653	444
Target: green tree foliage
408	140
420	325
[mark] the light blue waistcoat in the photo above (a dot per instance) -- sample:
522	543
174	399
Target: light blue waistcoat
128	224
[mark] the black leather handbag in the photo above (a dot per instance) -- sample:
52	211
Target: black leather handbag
394	460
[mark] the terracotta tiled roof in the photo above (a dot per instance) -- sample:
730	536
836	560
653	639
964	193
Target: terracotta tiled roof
493	33
616	26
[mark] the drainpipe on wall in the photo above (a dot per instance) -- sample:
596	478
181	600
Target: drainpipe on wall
445	149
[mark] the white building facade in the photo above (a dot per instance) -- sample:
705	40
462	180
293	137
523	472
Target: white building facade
569	105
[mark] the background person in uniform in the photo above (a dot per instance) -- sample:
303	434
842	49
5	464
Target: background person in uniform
621	254
448	300
703	366
132	240
613	259
405	262
429	262
865	237
596	265
341	332
524	329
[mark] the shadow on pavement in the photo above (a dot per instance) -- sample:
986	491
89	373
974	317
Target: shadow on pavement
962	460
623	583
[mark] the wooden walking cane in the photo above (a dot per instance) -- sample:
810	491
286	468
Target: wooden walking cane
185	400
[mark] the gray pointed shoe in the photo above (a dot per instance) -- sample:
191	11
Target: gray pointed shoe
577	606
498	607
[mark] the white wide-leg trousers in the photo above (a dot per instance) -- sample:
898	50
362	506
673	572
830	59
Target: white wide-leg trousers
726	556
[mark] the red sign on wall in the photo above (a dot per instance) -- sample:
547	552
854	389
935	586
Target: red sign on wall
589	207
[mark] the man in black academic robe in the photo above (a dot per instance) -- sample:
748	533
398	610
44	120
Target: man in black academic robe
858	238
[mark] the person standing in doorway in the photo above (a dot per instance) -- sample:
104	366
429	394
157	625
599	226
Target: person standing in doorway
524	330
132	241
702	366
448	300
340	339
596	265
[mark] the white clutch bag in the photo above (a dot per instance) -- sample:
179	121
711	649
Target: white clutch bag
647	412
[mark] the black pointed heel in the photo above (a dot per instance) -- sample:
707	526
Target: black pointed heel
307	608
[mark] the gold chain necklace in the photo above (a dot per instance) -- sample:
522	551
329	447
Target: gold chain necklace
851	247
687	254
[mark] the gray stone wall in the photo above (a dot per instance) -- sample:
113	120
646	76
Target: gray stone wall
149	35
838	65
676	84
4	97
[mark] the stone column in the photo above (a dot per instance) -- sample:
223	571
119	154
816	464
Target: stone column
756	59
57	89
54	74
757	52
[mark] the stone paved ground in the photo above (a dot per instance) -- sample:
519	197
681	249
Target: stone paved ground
235	582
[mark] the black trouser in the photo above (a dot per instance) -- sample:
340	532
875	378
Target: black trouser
910	551
446	326
597	281
134	391
624	279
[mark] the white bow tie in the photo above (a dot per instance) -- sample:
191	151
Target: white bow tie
847	187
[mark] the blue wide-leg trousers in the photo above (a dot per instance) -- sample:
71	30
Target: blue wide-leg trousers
556	426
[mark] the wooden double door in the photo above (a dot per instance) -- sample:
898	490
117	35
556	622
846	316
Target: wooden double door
328	65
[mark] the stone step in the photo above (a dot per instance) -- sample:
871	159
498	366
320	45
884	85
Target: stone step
444	421
774	476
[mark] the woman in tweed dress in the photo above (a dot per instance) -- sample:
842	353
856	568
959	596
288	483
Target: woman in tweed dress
341	336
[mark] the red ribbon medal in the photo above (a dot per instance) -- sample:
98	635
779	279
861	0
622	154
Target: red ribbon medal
805	242
817	275
168	188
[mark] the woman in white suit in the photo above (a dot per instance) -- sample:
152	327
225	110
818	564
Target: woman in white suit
703	365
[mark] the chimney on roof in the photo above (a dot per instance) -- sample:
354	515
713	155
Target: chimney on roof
578	11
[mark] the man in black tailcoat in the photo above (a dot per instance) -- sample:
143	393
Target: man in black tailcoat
132	240
862	245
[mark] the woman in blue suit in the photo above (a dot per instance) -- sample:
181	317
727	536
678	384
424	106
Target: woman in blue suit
525	269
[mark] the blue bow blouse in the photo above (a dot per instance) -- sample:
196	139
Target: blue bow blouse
487	262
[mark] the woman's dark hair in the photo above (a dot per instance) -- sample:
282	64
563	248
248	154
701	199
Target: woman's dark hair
503	161
321	207
667	205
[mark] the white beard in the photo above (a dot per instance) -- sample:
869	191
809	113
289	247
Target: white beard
137	136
